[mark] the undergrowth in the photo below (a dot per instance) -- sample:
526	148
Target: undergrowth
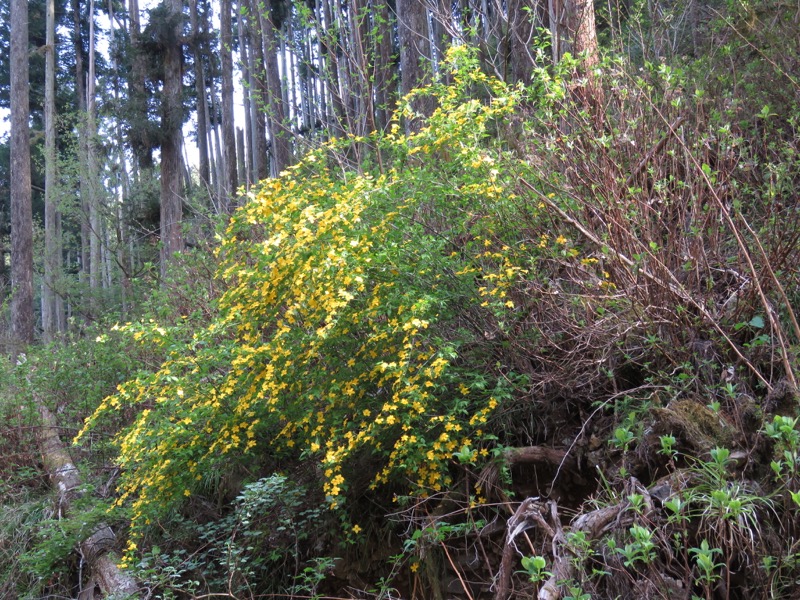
546	345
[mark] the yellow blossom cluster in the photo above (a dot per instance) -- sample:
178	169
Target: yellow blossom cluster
334	335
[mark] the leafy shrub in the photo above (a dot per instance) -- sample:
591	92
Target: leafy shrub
348	311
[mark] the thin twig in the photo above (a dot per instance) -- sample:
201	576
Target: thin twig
674	286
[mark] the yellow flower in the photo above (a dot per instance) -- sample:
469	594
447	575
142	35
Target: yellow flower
356	529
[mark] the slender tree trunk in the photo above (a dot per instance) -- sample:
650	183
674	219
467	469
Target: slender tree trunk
241	157
200	91
52	250
385	80
83	141
279	136
120	227
329	48
344	68
95	227
247	85
21	215
364	91
228	134
61	298
573	29
140	137
524	16
219	162
258	96
415	55
171	122
441	21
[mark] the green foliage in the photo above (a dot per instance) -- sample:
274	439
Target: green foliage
261	538
535	568
18	523
340	329
640	549
704	559
55	538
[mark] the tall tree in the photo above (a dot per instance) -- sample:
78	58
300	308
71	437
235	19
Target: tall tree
329	65
248	157
524	17
229	179
140	130
258	91
385	80
52	250
200	91
92	210
573	29
171	123
415	54
277	113
83	138
21	215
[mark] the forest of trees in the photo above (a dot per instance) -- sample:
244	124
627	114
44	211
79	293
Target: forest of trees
399	299
111	87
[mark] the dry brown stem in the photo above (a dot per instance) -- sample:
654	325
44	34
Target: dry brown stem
671	284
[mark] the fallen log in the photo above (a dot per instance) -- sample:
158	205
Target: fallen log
534	513
97	549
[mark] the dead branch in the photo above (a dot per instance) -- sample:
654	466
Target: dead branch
527	515
534	455
97	549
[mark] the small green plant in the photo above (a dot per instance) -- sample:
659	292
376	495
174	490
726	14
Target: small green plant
623	438
783	430
637	502
641	549
575	592
310	578
707	567
668	446
535	568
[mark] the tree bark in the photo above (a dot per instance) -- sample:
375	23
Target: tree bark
171	122
524	16
247	85
258	95
52	253
83	185
141	141
97	549
200	91
329	48
279	136
241	157
229	181
573	29
21	215
93	212
415	57
385	82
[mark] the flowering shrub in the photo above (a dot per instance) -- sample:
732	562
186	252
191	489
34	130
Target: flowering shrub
347	307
